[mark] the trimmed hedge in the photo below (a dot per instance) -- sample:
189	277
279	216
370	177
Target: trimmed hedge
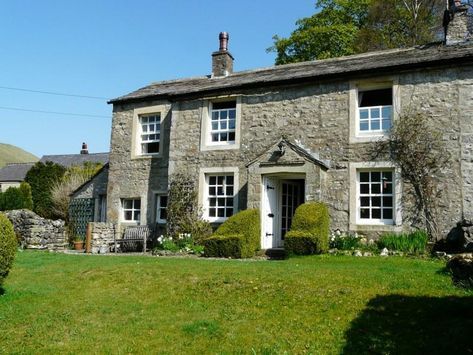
309	230
238	236
8	246
225	246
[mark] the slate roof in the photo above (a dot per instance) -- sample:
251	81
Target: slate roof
378	62
68	160
14	172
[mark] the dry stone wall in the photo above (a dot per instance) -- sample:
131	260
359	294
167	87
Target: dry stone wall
35	232
102	237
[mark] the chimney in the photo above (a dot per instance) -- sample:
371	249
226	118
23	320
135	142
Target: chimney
222	60
458	23
84	149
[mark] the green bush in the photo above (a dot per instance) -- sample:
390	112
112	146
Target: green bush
8	246
245	224
412	243
16	198
41	178
226	246
311	221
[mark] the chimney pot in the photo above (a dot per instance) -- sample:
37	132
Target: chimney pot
223	37
84	149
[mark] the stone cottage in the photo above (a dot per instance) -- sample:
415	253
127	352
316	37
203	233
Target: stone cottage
273	138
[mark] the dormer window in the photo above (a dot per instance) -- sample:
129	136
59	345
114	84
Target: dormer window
223	122
375	108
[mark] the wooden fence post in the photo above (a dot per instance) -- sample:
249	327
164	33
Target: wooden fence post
88	239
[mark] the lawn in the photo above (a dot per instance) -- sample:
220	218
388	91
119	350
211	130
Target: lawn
56	303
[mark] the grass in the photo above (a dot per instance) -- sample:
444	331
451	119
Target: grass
55	303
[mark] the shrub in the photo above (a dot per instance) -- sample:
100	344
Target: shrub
41	177
246	223
16	198
345	241
412	243
226	246
183	215
461	270
8	245
311	221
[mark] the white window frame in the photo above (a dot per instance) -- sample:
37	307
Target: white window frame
206	130
205	174
159	207
133	210
357	87
145	130
370	195
159	110
358	224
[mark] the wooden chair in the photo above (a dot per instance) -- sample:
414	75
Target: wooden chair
133	235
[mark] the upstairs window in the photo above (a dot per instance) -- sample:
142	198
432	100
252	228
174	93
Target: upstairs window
375	109
150	136
222	122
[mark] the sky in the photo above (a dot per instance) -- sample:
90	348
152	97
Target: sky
107	48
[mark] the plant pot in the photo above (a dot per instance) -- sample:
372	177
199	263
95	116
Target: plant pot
79	245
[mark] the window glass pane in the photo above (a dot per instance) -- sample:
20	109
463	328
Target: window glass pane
232	113
229	191
376	176
215	115
145	129
386	111
231	136
387	201
376	213
144	119
376	202
128	215
229	212
221	212
375	125
136	216
213	202
231	124
223	124
375	188
375	113
127	204
388	176
387	189
386	125
153	147
164	201
223	137
212	190
379	97
211	212
212	180
364	176
223	115
364	188
364	114
214	126
215	137
364	126
230	201
220	179
364	213
387	213
364	201
229	180
224	105
220	191
163	214
221	201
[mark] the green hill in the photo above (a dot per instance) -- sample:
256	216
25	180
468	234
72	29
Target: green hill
11	154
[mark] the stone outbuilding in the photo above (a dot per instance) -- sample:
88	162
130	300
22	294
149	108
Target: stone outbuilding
273	138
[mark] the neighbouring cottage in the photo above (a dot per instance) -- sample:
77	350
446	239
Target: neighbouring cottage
13	174
273	138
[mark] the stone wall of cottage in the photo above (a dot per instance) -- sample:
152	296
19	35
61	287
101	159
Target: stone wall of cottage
317	116
132	176
95	187
102	237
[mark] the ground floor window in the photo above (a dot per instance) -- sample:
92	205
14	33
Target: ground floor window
220	196
375	198
161	208
131	209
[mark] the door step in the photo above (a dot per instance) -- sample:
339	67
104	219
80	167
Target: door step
276	253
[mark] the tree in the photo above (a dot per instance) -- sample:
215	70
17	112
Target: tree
420	153
41	178
344	27
401	23
15	198
332	32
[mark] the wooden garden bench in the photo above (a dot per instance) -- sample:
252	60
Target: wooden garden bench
134	234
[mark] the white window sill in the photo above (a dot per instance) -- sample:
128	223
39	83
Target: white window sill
369	137
363	227
216	220
220	146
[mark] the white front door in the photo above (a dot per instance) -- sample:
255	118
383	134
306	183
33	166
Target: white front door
271	237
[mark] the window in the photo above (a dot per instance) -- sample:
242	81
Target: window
131	210
375	197
223	122
220	196
375	109
161	208
150	134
